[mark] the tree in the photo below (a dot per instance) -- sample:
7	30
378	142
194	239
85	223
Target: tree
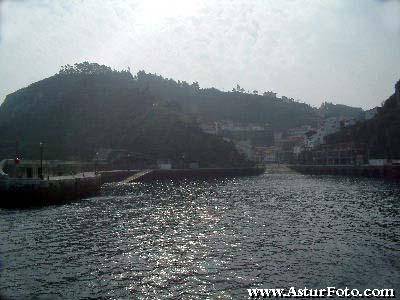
196	86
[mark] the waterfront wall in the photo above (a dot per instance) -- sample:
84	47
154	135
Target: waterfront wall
116	175
51	168
387	172
30	192
177	174
17	193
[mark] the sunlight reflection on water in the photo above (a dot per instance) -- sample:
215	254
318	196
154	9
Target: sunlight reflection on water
199	239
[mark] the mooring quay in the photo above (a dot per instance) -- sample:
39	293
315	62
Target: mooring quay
18	192
177	174
385	172
24	192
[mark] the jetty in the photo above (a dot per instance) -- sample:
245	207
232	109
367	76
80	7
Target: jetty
139	176
26	186
201	173
116	175
23	192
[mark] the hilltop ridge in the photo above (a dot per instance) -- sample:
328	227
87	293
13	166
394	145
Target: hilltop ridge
87	107
90	106
380	135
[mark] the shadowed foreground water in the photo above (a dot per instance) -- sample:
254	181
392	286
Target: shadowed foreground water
204	239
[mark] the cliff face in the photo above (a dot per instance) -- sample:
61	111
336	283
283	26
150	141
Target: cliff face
88	107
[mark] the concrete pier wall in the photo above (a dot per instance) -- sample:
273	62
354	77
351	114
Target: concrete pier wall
116	175
177	174
30	192
386	172
18	193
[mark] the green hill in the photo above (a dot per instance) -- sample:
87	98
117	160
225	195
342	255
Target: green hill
213	105
328	110
380	135
88	106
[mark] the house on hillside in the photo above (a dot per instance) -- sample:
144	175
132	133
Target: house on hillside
210	127
327	127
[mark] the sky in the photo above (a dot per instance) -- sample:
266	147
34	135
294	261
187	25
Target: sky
341	51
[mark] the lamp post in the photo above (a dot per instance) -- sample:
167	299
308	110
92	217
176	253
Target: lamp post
16	149
95	163
16	159
41	160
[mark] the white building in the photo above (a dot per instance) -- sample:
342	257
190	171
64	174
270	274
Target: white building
328	126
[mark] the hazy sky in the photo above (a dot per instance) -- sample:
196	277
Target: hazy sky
343	51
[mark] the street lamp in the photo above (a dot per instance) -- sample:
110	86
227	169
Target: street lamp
41	161
95	163
16	159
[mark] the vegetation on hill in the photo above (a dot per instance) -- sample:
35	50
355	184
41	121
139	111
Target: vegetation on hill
212	104
328	110
379	135
87	106
90	106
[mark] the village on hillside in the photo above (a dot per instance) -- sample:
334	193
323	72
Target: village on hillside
264	145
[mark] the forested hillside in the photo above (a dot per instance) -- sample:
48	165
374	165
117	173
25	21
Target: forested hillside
212	104
88	106
380	135
328	110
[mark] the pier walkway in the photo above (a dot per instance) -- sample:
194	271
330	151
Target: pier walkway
138	176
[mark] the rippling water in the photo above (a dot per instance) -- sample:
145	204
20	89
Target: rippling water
205	239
